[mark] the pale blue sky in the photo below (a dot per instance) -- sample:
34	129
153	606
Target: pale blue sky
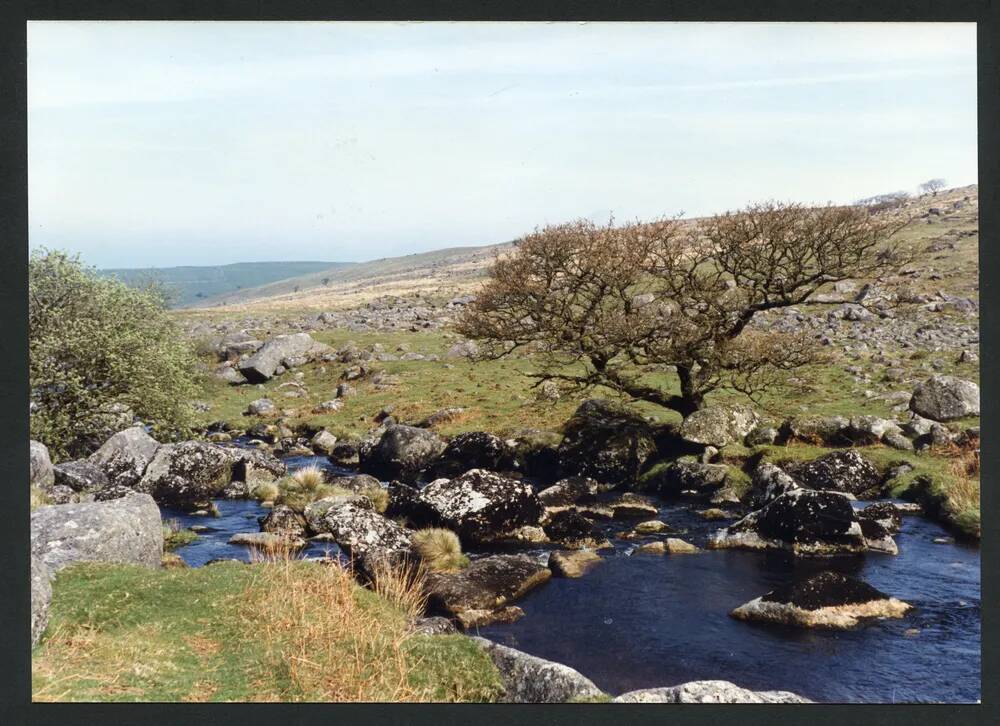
210	143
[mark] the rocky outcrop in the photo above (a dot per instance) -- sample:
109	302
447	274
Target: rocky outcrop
719	425
481	505
41	471
126	530
402	452
261	366
708	692
81	476
125	456
826	600
840	471
41	598
802	521
607	442
528	679
472	450
485	587
945	398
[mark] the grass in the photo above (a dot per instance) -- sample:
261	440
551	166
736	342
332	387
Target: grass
304	487
174	536
38	498
275	631
439	549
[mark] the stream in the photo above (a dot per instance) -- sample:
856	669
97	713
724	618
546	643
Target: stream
642	621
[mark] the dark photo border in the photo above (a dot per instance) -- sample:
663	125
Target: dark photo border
15	705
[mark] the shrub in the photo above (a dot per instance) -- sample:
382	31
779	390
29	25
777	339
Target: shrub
439	549
100	351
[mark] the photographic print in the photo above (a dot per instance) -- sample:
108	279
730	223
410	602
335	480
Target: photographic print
555	362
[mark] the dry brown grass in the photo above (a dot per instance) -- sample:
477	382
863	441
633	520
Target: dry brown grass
332	646
439	548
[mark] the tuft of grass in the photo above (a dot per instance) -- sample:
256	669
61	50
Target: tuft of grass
309	477
439	549
265	492
175	536
304	487
280	630
379	497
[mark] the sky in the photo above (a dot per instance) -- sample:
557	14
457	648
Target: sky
206	143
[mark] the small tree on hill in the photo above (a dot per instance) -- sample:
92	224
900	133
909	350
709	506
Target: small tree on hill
932	186
98	349
620	306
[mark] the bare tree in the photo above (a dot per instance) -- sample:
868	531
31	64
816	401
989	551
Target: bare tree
619	306
933	186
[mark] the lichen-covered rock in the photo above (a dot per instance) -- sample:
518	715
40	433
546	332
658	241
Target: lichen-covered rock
633	506
366	535
282	519
840	471
945	398
877	537
254	466
480	505
802	521
41	598
607	442
767	484
323	442
886	514
536	454
186	473
572	563
719	425
685	476
262	407
41	471
488	583
263	364
829	430
473	450
125	456
826	600
708	692
81	476
528	679
402	452
568	491
126	530
315	512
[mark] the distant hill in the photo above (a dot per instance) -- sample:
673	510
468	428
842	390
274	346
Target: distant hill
193	285
456	264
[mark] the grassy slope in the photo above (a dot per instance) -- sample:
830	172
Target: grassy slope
194	284
124	633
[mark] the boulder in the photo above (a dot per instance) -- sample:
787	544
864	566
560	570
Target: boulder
569	491
126	530
607	442
872	429
825	600
631	506
434	625
254	466
676	546
41	598
536	454
263	364
719	425
262	407
528	679
572	563
402	452
366	535
282	519
829	430
42	473
472	450
125	456
802	521
463	349
81	476
572	529
488	583
187	473
886	514
840	471
707	692
945	398
685	476
481	505
767	484
405	503
323	443
315	512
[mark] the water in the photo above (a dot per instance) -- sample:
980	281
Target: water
642	621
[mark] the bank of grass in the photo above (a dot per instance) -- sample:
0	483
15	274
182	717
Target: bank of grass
274	631
945	481
175	536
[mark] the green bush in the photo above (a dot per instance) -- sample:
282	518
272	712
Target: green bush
99	352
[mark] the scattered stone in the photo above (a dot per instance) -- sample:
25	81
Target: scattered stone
652	526
708	692
945	398
262	407
569	491
715	514
676	546
267	361
323	443
685	476
719	425
572	563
